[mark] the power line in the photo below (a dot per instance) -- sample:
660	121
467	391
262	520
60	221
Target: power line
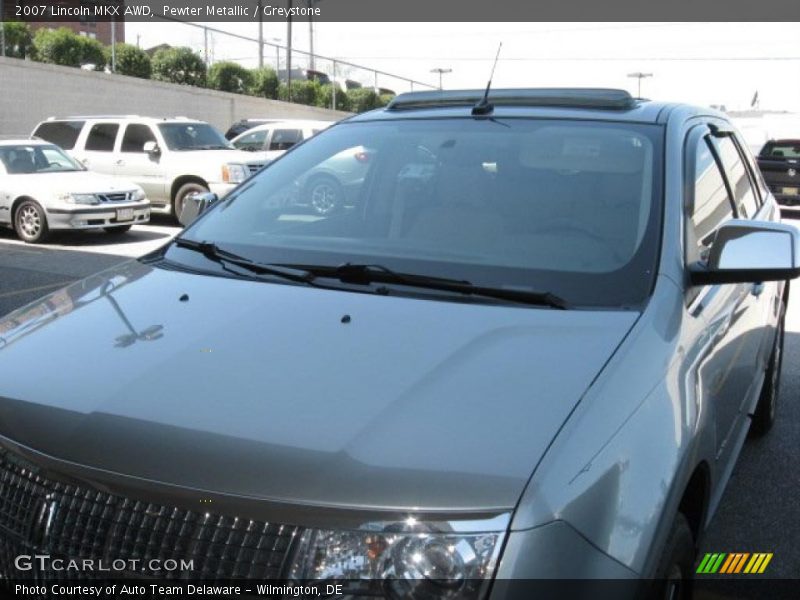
587	58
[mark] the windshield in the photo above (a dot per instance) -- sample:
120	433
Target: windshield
193	136
568	207
782	149
36	158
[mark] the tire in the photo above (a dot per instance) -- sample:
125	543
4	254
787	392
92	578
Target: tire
30	222
120	229
764	415
180	197
674	576
325	195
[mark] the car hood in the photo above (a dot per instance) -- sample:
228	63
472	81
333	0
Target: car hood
79	182
218	157
266	390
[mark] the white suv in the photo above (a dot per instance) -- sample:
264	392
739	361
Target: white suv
169	158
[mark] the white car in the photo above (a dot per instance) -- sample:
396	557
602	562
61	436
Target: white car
42	189
270	140
171	158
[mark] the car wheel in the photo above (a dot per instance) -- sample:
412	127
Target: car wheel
325	195
673	580
117	230
180	198
764	416
30	222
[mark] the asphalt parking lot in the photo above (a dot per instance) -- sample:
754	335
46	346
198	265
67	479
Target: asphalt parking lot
759	512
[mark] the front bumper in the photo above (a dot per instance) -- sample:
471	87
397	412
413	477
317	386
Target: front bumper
96	217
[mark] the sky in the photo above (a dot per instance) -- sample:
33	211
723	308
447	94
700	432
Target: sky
701	63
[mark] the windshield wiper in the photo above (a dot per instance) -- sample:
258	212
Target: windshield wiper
365	274
224	257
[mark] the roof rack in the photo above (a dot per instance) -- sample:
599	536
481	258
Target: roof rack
596	98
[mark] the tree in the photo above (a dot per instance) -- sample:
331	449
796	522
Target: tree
325	98
229	76
303	92
18	39
130	60
179	65
264	83
363	99
384	99
63	47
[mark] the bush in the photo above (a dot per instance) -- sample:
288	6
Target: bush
384	99
325	98
179	65
18	39
229	77
263	83
130	60
63	47
303	92
363	99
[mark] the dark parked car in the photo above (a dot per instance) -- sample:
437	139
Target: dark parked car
779	161
532	348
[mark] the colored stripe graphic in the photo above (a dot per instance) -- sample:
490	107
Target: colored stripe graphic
734	563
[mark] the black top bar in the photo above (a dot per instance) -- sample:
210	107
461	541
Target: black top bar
596	98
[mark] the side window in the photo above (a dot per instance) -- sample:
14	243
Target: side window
283	139
136	136
744	196
60	133
101	137
709	205
252	142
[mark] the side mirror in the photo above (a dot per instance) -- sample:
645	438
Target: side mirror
750	252
195	205
151	148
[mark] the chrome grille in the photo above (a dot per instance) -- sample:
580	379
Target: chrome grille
115	197
86	523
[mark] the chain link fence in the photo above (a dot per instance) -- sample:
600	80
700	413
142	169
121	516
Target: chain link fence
217	45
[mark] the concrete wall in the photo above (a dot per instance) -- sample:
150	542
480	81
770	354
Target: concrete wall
30	92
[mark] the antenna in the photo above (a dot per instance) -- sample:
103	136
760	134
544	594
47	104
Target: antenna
483	107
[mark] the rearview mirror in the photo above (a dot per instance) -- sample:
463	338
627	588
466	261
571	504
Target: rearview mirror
152	148
195	205
750	252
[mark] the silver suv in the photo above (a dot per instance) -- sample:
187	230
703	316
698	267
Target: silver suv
169	158
532	347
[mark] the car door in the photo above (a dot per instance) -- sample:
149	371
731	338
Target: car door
281	140
97	151
728	370
134	164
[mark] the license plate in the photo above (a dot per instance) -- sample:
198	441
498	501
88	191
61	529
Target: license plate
125	214
789	191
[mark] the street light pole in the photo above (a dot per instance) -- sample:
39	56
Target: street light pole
441	72
260	36
289	51
639	76
2	30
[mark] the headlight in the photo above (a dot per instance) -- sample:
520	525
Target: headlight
411	560
234	173
79	198
138	196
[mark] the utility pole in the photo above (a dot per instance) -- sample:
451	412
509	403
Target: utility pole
113	46
260	36
289	51
441	72
639	75
311	35
2	30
